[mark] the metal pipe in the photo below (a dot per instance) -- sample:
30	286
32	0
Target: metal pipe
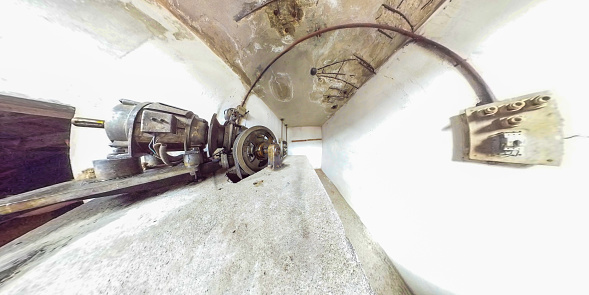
479	85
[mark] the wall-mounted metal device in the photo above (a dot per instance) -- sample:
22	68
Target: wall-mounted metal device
522	130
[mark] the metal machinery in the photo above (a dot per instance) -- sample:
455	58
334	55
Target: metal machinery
152	130
149	142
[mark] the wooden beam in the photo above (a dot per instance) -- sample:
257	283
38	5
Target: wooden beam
35	107
58	139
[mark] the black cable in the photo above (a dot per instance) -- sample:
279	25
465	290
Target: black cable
479	85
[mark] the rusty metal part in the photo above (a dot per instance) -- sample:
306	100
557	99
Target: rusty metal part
225	161
116	168
515	106
365	64
301	140
274	157
247	146
488	111
249	10
88	123
540	101
215	135
530	135
511	122
393	10
262	149
479	85
88	189
133	126
193	159
338	79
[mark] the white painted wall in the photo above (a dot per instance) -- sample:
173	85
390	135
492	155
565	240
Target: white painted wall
389	151
311	149
90	54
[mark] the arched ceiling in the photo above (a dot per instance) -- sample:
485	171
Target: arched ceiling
247	35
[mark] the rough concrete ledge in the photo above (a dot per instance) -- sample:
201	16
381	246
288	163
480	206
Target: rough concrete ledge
275	232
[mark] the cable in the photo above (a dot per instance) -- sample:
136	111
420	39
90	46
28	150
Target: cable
476	81
165	157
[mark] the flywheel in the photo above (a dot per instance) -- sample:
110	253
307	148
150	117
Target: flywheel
250	149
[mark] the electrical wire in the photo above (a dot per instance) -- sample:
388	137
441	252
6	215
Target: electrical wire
151	148
479	85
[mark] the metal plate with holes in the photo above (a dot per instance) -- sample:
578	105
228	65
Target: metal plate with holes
522	130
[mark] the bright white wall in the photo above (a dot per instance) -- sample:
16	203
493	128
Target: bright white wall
311	149
389	151
90	54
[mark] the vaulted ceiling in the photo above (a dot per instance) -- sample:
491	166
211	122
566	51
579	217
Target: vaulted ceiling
248	35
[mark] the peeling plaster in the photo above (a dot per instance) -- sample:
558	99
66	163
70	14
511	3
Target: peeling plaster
249	44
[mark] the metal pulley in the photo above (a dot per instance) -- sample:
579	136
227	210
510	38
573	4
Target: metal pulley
250	150
223	136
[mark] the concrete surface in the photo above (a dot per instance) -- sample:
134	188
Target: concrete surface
454	227
275	232
382	275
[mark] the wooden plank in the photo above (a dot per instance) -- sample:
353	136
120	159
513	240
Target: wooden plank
35	107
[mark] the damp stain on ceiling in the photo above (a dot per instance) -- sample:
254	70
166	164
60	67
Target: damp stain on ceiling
309	84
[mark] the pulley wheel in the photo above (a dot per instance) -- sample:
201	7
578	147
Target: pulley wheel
250	149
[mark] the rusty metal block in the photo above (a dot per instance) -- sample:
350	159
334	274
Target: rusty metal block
522	130
274	157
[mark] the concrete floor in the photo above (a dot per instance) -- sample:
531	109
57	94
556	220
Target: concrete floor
379	269
275	232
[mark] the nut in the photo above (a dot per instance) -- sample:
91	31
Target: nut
540	101
488	111
516	106
512	121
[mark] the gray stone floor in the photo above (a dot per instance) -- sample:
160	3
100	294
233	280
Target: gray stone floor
273	233
379	269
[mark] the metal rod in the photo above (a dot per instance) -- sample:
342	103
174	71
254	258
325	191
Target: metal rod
85	122
243	14
336	78
301	140
393	10
479	85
